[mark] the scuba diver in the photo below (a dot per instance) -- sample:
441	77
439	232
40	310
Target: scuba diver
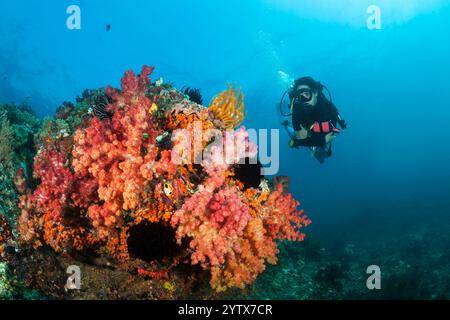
314	118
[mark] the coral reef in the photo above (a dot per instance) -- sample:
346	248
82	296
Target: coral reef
148	178
99	189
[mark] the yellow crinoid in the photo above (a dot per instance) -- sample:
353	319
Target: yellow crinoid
228	106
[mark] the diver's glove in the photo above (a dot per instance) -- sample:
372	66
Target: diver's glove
342	123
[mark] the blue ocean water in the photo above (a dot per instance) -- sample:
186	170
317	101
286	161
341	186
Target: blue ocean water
390	168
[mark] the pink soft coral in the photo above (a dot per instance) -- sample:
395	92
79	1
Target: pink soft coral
213	221
247	255
225	238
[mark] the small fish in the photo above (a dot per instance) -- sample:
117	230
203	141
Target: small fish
108	27
168	189
161	137
163	140
153	108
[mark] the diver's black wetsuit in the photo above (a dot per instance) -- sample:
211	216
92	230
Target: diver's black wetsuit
323	111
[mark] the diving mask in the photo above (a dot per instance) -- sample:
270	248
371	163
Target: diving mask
304	95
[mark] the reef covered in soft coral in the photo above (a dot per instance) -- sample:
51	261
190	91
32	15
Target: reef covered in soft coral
150	181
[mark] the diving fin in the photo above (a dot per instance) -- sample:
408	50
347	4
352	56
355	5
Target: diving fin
319	153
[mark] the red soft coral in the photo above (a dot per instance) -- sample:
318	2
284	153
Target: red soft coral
55	189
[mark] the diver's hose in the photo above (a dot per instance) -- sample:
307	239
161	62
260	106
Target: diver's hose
329	93
281	105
